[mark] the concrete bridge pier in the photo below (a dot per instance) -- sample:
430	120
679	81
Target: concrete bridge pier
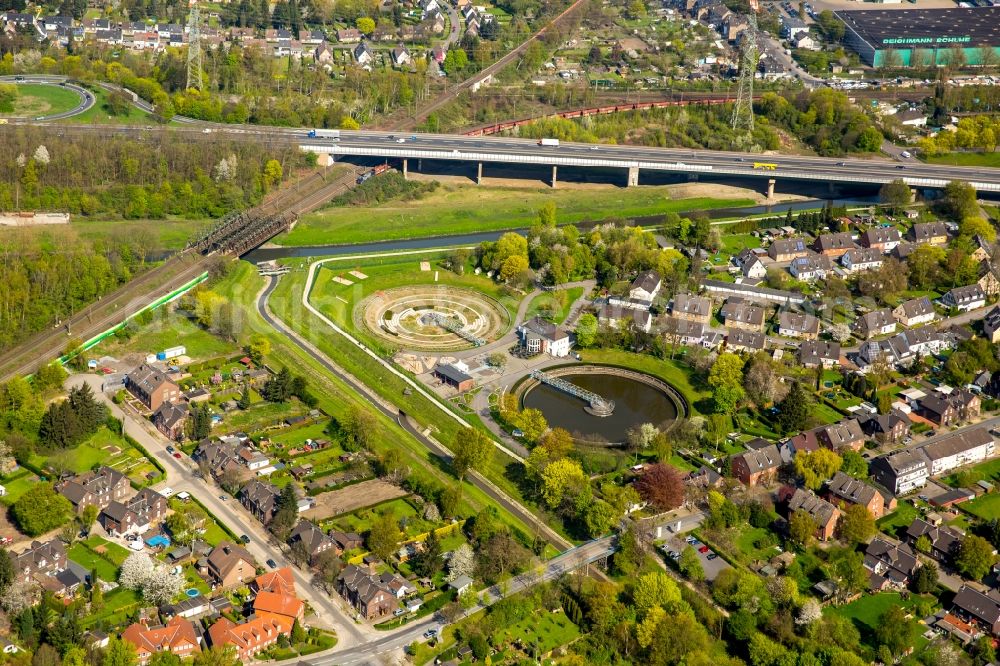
420	164
405	166
553	177
633	177
479	173
770	188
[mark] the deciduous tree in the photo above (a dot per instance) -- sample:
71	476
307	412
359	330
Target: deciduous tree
856	525
472	448
975	557
384	536
726	380
661	485
817	466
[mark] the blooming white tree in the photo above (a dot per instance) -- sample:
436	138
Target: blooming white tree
461	563
42	155
810	612
21	160
157	583
135	571
431	512
17	597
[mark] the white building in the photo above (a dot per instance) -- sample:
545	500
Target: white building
861	259
543	337
959	449
645	286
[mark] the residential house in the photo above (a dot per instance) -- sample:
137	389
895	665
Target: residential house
901	471
151	386
539	336
824	514
400	56
991	325
310	540
736	313
938	409
750	265
847	489
861	259
178	636
968	403
277	606
914	312
757	468
876	322
365	591
988	280
247	638
683	331
816	353
846	434
983	608
792	27
40	560
645	287
171	419
98	488
322	54
903	348
279	581
138	514
230	565
218	456
805	41
970	297
935	233
346	540
957	449
624	317
692	308
363	55
794	325
944	540
983	250
349	36
252	459
810	267
834	245
260	499
883	239
742	340
806	441
783	250
705	477
889	428
892	566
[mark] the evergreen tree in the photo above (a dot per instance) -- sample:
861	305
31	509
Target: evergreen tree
429	561
794	409
244	400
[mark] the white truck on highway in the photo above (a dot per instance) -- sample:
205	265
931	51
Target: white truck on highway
549	142
325	134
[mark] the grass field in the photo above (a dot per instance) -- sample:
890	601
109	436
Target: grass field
171	234
554	304
990	471
866	612
967	159
86	553
896	522
16	485
168	329
97	451
98	115
986	507
36	99
543	631
460	209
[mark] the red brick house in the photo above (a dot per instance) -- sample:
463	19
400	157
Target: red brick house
843	489
366	593
757	468
250	637
151	386
177	636
824	514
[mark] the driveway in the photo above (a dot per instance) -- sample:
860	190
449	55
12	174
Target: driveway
182	476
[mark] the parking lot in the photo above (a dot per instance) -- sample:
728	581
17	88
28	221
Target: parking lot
712	567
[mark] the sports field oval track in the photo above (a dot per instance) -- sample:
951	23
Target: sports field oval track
433	317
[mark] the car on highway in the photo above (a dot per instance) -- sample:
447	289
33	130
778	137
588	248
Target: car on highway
900	166
841	163
245	539
207	130
400	140
595	147
413	137
517	432
271	563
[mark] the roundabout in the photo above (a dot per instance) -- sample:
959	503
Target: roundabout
433	318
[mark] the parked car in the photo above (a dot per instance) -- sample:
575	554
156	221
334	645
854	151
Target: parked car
430	633
712	556
703	549
245	539
177	455
271	563
170	449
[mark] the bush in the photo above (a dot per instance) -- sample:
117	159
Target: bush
41	509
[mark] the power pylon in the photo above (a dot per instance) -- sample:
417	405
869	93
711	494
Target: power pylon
194	48
742	119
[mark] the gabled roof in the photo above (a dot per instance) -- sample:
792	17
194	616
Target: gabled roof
880	236
175	635
738	337
916	307
985	607
761	459
647	281
923	231
957	443
851	490
800	323
806	500
279	604
963	295
875	320
147	378
312	537
816	351
279	581
691	304
838	241
543	328
901	557
226	556
843	433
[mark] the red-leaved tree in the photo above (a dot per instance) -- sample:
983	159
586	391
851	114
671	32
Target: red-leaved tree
661	486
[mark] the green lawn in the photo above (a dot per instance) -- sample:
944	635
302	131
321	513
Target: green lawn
554	305
733	243
37	99
168	329
459	209
98	450
986	507
170	234
17	484
895	523
967	159
117	604
360	521
866	611
544	631
990	471
98	114
826	413
95	552
672	372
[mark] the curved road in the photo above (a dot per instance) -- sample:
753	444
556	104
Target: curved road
87	99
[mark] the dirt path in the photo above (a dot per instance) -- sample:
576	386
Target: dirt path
353	497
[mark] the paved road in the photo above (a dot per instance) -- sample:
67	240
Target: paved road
86	98
182	475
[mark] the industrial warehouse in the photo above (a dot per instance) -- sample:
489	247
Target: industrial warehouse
924	37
